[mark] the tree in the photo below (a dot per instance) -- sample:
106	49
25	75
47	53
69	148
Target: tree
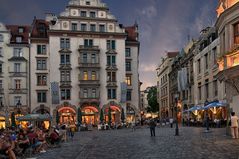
101	116
109	116
13	119
122	115
152	100
79	116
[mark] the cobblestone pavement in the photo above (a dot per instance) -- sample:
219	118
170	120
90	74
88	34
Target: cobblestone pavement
192	143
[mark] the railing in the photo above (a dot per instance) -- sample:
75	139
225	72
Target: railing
18	91
88	47
89	82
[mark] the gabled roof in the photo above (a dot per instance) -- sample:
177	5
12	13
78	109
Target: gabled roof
132	33
14	29
40	28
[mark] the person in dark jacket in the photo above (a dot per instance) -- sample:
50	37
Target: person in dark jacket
152	126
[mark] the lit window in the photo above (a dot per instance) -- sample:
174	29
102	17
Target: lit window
85	75
128	80
93	75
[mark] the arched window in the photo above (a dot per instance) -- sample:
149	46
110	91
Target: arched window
1	38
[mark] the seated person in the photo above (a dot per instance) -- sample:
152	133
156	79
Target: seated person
33	138
6	146
23	141
54	136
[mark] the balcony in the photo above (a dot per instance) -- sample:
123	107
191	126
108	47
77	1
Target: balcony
18	74
89	82
88	64
18	91
65	84
111	84
85	47
65	67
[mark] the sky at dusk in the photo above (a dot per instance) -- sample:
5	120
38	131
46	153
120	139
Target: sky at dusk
164	25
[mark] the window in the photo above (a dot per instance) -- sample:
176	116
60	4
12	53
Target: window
1	38
18	39
1	52
206	61
88	42
102	28
128	95
214	54
65	43
128	65
83	27
111	44
93	93
92	27
199	66
65	76
236	33
127	52
0	67
17	84
206	89
215	88
85	93
111	93
17	99
93	58
17	67
1	84
199	91
93	75
111	60
87	3
85	58
83	13
111	76
20	30
85	74
41	49
41	80
41	97
41	64
65	94
17	52
65	59
92	14
128	80
74	26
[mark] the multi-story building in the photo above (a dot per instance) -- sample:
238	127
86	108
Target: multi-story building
163	84
91	58
228	30
39	69
206	67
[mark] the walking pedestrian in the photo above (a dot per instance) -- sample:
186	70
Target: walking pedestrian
133	126
171	122
152	126
234	125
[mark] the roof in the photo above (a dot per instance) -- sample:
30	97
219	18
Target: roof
132	33
172	54
40	28
14	29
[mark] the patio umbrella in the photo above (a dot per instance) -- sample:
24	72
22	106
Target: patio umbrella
101	116
122	115
35	117
79	117
215	104
109	116
13	120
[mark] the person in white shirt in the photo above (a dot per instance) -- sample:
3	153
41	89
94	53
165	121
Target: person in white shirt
234	125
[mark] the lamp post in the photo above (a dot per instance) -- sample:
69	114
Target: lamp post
176	96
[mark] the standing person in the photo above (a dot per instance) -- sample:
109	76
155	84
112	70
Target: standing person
171	122
72	131
133	126
234	125
152	126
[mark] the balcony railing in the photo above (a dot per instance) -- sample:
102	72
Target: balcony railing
18	74
89	82
88	47
18	91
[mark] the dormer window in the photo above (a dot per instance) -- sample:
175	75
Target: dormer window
20	30
18	39
87	3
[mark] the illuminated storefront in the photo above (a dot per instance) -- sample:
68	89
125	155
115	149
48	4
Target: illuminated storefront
67	115
90	115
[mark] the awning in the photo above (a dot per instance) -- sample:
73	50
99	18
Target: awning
215	104
194	108
35	117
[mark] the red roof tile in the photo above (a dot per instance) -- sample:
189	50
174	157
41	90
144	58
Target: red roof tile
14	29
40	29
132	34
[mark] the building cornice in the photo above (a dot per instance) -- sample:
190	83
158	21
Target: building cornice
103	8
86	19
87	34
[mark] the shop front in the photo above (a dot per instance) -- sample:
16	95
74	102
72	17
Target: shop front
115	112
130	114
90	115
66	115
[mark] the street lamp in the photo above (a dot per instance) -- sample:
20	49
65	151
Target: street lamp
176	96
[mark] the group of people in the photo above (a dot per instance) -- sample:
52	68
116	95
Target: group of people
31	140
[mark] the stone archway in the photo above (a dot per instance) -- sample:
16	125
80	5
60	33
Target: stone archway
67	113
42	109
115	111
90	113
